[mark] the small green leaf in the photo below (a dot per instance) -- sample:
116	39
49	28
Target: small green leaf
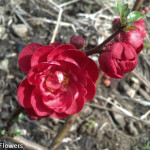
126	13
20	117
124	8
17	132
3	132
134	16
119	5
147	14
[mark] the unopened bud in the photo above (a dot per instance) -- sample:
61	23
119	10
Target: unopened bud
78	42
146	9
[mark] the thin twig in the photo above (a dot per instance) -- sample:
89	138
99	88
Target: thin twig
22	19
63	132
67	3
57	26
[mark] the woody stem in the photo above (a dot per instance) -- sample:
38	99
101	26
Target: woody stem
63	132
137	5
98	48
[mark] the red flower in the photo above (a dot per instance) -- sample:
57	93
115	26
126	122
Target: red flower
132	38
60	80
140	27
118	59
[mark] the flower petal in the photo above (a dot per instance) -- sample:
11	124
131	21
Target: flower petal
24	94
59	115
91	90
59	50
24	59
41	55
36	72
37	104
55	45
77	104
92	70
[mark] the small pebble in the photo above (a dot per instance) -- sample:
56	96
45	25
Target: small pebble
20	30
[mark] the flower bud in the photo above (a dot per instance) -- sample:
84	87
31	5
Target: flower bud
78	42
142	11
133	38
146	9
140	26
115	23
118	59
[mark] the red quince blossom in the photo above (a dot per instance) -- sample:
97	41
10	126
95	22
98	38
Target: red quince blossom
60	79
140	27
132	38
78	42
117	59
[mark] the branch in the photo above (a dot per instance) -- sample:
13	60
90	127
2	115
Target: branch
137	5
98	48
63	132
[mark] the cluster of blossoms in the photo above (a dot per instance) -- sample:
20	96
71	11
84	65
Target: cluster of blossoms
120	56
61	77
60	80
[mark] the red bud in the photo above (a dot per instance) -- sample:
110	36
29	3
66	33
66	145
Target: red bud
78	42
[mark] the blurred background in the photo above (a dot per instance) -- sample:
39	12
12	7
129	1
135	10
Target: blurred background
118	118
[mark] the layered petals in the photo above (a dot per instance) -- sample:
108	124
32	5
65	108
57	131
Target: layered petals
24	93
118	59
60	80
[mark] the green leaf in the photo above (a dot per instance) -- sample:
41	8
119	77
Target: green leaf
119	5
134	16
126	13
124	8
3	132
17	132
147	14
20	117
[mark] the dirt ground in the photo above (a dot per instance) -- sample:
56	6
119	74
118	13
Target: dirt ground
118	117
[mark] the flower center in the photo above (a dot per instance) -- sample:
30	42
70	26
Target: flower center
55	80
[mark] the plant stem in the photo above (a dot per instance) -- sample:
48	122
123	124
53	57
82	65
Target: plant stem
137	5
63	132
98	48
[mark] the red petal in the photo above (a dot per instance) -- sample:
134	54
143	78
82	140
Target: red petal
91	90
24	59
36	71
59	115
73	56
64	99
24	94
92	70
77	104
59	50
41	55
32	114
37	104
55	45
108	66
